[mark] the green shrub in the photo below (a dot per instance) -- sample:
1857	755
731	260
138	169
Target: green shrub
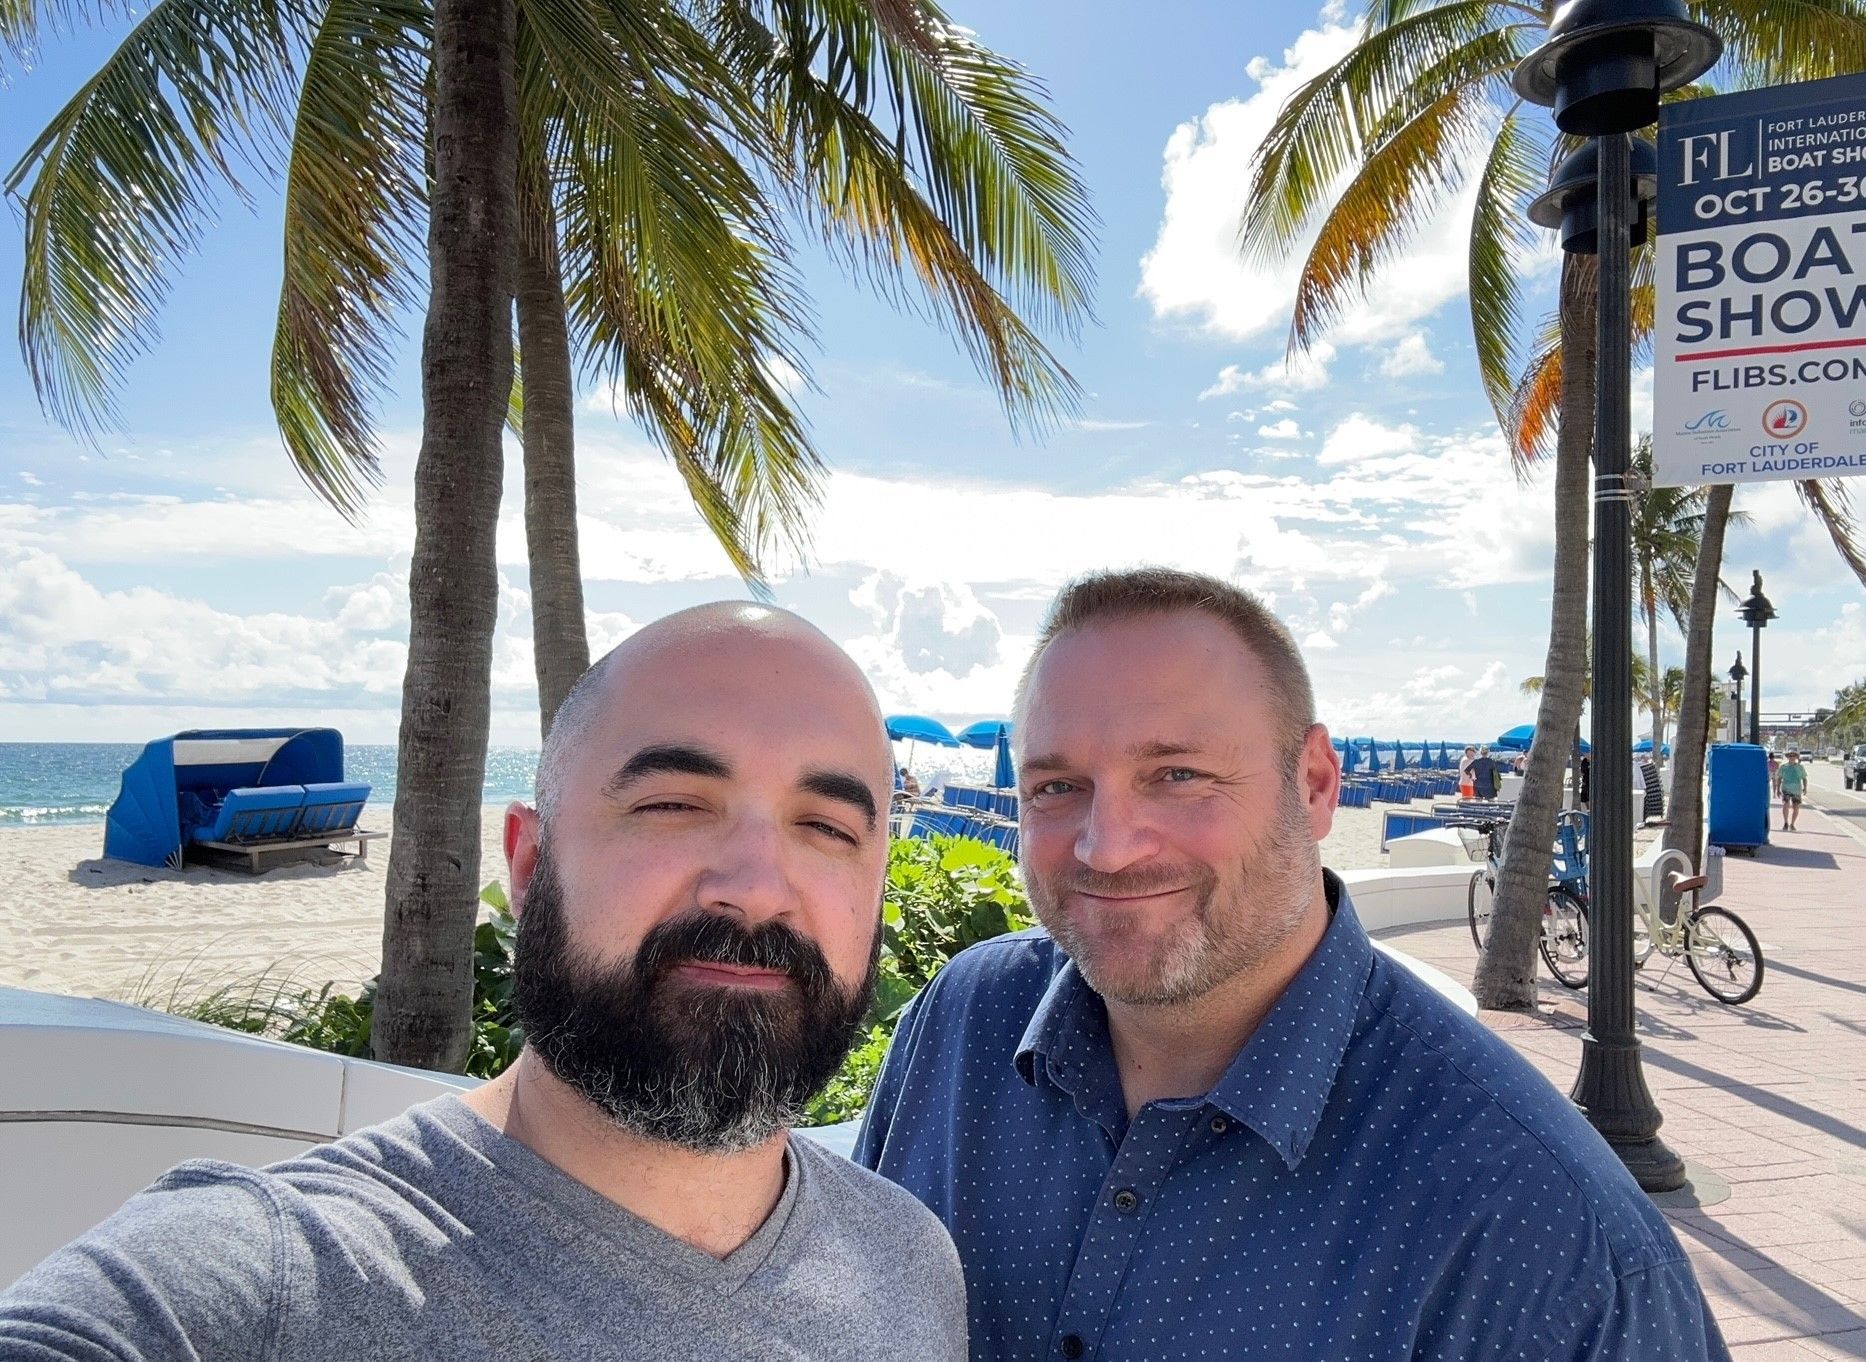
943	895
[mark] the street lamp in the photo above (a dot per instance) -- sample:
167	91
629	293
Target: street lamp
1756	613
1602	68
1737	673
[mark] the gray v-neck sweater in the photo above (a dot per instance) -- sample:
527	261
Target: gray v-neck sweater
434	1236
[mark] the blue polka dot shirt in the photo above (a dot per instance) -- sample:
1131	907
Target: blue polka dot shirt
1375	1176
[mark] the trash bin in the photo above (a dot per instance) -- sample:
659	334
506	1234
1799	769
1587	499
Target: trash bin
1739	796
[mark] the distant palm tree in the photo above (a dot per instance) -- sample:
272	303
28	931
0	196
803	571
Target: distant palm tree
634	175
1370	151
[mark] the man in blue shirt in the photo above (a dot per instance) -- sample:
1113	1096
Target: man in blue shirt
1198	1115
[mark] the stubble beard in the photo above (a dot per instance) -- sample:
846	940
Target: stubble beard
1238	921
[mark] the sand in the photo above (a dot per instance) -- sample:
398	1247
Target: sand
72	922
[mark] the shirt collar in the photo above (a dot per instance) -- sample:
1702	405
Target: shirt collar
1279	1083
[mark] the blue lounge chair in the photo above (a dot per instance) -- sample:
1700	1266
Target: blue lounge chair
253	814
331	807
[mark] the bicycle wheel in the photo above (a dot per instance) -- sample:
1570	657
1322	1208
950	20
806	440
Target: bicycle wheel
1479	899
1642	939
1564	938
1724	955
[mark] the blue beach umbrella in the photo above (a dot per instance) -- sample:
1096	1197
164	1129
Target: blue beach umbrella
913	728
1519	738
1444	758
985	733
1373	758
1399	757
1347	757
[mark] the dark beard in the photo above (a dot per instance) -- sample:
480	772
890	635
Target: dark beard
712	1069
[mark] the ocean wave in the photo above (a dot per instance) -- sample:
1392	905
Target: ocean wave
52	813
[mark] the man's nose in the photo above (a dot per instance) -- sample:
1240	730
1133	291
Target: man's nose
1116	833
746	875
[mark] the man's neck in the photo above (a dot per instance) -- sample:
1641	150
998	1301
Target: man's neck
714	1202
1183	1049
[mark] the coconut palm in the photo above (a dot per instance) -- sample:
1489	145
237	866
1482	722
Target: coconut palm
672	155
1372	149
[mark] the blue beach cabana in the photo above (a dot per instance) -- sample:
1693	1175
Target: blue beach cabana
289	782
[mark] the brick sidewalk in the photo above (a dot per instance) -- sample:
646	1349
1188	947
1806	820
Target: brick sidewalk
1765	1102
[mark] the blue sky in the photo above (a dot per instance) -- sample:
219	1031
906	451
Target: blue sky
178	574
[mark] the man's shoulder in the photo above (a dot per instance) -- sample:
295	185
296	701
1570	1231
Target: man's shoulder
1495	1117
1015	968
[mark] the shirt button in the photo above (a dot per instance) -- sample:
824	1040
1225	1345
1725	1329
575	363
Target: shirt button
1072	1346
1220	1125
1126	1201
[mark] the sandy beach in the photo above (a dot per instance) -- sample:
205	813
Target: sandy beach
72	922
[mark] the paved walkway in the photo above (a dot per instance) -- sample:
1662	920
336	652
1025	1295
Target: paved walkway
1765	1102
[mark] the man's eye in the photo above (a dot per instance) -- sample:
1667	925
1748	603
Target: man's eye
1179	775
665	806
1051	787
833	831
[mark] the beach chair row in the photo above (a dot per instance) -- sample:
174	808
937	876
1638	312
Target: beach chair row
953	822
274	813
1000	802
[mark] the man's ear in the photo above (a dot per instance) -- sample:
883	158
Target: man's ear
1318	780
523	834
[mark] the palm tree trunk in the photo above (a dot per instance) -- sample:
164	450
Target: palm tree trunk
1505	976
424	1004
1686	830
1657	682
559	639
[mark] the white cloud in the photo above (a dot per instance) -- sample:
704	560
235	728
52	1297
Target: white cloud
1095	425
31	480
1286	429
1230	379
1413	355
1319	641
1358	438
1280	404
1195	270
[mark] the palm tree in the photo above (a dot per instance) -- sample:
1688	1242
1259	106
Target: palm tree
1667	523
670	152
1368	152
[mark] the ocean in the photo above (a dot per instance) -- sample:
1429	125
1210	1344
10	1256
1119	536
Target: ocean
43	783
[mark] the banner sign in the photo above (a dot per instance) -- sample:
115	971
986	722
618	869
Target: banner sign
1759	341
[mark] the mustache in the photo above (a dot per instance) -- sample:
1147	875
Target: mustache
700	937
1134	883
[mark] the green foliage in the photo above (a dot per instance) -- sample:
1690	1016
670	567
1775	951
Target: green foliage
943	895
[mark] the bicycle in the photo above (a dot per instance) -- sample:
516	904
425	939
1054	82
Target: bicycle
1563	942
1717	945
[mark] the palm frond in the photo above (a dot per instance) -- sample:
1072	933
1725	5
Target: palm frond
1535	407
355	203
1404	182
937	160
678	287
1499	239
1776	42
124	178
1832	504
1322	132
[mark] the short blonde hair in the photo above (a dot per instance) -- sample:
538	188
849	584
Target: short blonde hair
1130	592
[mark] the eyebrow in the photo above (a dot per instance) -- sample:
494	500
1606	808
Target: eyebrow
688	759
1141	751
844	788
682	759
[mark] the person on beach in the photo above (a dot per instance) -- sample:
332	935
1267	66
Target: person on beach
1791	782
1196	1114
698	894
1486	775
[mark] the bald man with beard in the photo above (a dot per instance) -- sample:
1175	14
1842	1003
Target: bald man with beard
698	894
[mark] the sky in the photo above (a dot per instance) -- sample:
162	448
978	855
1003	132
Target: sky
176	573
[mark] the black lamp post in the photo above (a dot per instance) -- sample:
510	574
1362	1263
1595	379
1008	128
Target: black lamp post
1603	67
1737	673
1756	612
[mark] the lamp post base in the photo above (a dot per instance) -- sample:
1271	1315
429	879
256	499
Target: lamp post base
1652	1163
1611	1092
